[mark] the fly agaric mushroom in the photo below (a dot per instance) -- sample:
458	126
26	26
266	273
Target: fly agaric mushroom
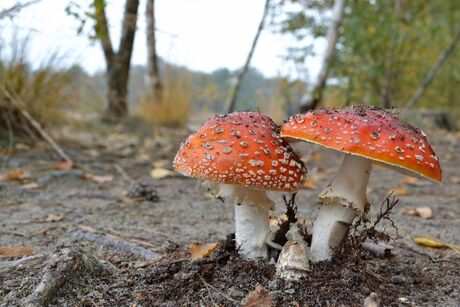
241	155
365	135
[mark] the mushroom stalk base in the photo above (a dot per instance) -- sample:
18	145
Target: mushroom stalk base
251	220
342	200
251	230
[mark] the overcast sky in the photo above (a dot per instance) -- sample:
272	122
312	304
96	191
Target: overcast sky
200	34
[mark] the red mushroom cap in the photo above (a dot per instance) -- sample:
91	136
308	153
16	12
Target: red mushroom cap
368	132
241	148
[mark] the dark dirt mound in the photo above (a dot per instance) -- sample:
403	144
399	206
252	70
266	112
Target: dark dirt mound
226	279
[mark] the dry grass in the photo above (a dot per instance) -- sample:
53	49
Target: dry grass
43	92
173	109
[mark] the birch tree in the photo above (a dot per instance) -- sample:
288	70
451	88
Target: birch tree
232	102
155	84
433	71
117	62
316	93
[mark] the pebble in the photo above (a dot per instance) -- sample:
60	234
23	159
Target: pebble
290	291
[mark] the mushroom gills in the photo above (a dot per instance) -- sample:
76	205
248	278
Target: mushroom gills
251	218
341	201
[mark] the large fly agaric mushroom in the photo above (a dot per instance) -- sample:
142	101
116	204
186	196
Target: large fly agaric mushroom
241	155
365	135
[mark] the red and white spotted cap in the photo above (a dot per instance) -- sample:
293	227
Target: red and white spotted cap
368	132
241	148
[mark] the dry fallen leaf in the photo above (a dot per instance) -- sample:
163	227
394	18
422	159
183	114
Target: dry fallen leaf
201	250
161	163
99	178
435	243
159	173
102	179
20	146
31	185
65	165
315	157
15	251
398	191
87	228
424	212
310	184
51	218
15	175
259	297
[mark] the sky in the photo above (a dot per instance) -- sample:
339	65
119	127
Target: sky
200	34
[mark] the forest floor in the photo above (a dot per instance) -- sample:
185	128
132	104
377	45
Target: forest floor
90	240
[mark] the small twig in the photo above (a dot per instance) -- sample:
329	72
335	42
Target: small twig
219	292
291	214
209	293
16	8
123	173
426	255
130	237
386	209
376	276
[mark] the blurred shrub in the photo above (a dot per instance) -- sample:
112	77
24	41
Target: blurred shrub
174	107
43	92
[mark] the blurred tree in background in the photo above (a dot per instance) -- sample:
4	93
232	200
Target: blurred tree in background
118	62
385	49
385	53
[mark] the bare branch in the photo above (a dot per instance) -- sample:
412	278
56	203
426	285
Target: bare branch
239	78
333	34
11	11
16	101
432	72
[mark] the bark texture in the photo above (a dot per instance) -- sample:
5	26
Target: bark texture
117	63
155	84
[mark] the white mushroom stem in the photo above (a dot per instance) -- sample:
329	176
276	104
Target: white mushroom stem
342	200
251	219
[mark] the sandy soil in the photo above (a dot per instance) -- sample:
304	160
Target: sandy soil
70	209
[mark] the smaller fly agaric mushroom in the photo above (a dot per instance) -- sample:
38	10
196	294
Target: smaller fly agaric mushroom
241	155
365	135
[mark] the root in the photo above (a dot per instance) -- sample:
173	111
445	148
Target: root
284	226
23	263
60	268
386	210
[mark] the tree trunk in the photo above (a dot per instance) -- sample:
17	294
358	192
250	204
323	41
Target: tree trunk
155	84
316	95
118	64
231	104
433	71
117	94
385	90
